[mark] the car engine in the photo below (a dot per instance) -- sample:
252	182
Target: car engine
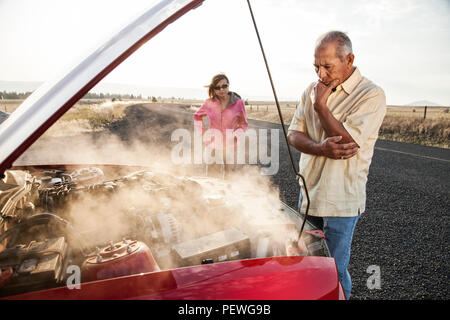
112	221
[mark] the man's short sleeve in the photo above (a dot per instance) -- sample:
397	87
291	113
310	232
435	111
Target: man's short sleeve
368	117
298	120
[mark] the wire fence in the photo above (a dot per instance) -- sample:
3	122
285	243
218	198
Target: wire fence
424	112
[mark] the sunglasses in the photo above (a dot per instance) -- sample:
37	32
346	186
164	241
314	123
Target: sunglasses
224	86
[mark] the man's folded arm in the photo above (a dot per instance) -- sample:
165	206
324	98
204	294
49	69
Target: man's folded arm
303	143
333	127
330	147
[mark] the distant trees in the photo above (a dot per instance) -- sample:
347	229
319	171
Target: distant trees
89	95
93	95
14	95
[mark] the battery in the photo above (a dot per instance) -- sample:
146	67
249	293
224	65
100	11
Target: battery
229	244
37	265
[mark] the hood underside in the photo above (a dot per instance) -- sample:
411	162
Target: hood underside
48	103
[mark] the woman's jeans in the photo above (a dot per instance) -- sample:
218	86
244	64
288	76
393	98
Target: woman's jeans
339	233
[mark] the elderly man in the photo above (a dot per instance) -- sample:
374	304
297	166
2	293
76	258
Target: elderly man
335	128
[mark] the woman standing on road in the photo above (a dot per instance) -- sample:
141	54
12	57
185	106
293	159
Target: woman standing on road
225	111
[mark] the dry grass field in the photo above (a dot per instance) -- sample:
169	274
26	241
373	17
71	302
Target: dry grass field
9	105
86	115
402	123
415	125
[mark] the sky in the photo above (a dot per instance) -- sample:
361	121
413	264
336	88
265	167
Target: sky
402	45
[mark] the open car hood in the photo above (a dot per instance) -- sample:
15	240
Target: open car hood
54	98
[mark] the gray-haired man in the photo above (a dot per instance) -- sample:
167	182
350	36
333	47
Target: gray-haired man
335	127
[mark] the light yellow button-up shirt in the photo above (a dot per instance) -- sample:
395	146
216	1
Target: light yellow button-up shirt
337	188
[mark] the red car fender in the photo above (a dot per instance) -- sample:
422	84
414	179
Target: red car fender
275	278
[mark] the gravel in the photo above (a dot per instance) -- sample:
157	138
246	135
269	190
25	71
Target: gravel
404	230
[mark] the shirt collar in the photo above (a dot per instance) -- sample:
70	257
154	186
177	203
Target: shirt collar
233	98
350	84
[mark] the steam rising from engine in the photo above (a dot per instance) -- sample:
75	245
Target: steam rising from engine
176	200
117	195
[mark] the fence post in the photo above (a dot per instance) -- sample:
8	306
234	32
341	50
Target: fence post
425	112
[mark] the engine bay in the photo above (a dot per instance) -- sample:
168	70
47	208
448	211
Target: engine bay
112	221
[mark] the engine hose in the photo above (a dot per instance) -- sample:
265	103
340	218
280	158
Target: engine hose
297	174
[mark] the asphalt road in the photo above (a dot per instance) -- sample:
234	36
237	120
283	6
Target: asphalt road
404	233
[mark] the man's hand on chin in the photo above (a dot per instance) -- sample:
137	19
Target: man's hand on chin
322	91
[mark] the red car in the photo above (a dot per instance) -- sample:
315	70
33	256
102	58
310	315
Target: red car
162	248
